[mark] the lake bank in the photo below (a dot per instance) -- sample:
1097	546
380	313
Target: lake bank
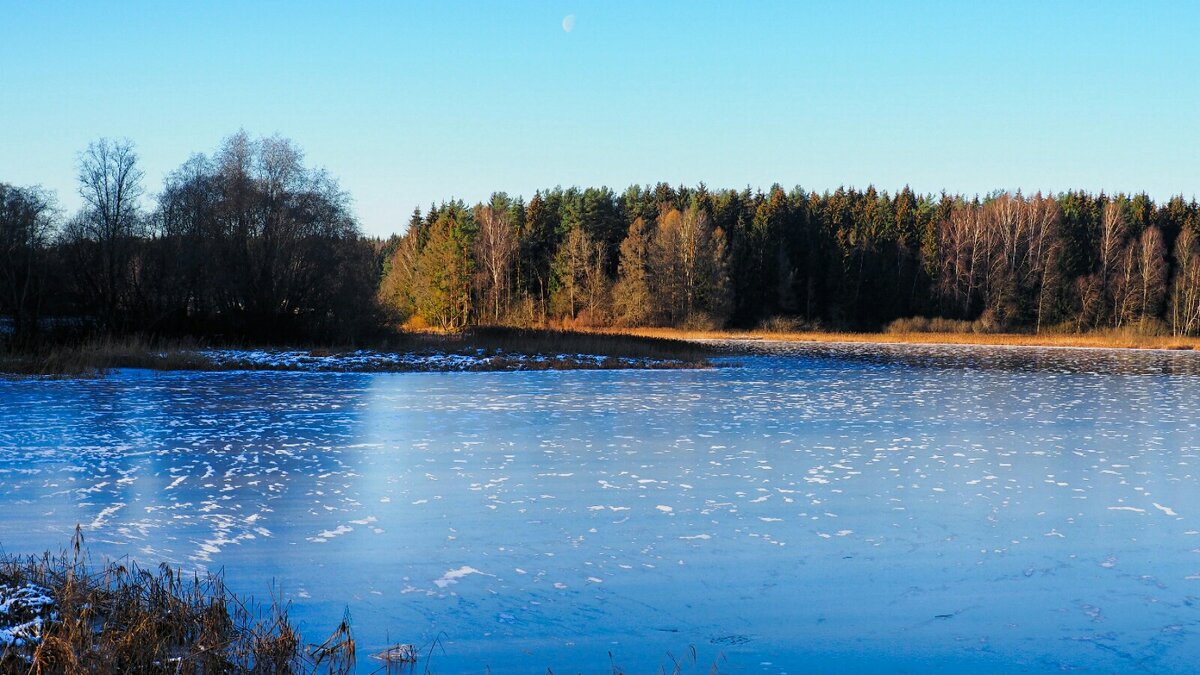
1108	340
477	350
492	349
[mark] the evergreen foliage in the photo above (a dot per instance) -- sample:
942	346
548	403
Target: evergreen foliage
847	259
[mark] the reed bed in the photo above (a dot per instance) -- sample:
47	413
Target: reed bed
63	614
94	356
1112	339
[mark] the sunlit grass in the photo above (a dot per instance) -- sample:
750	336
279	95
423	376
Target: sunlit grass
1115	339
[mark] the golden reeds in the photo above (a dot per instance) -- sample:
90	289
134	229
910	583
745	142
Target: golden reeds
120	617
1115	339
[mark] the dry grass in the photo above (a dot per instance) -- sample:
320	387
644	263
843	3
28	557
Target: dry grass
1106	339
119	618
96	356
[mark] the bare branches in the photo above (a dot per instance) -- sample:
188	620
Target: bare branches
26	226
495	250
1185	289
110	183
999	257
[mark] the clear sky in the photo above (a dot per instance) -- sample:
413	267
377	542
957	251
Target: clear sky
408	103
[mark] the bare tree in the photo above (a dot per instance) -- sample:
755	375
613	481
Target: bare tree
1113	233
495	248
1023	234
595	282
1043	250
1113	230
1051	279
110	183
26	224
1123	287
1152	268
999	257
1185	289
959	241
1140	280
252	242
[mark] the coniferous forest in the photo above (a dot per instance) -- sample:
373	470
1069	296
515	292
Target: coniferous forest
248	243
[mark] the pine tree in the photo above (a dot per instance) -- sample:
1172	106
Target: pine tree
442	282
633	303
396	289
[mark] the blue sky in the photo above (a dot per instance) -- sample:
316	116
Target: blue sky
408	103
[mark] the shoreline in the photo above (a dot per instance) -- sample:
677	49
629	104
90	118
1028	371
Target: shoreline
485	349
476	350
1120	342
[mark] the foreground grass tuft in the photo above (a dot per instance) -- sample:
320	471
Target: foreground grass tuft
62	614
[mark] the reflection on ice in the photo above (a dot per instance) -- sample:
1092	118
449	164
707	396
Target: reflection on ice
819	507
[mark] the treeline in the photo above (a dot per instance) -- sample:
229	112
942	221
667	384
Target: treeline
247	243
848	259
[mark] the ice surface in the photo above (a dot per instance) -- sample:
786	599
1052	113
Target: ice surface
820	508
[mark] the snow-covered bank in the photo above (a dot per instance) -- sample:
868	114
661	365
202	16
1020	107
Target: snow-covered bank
376	361
23	609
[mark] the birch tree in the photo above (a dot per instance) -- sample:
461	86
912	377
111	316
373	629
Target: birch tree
1185	288
495	248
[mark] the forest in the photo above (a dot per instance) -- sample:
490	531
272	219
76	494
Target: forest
250	244
847	259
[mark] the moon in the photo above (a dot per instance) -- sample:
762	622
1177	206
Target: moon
568	23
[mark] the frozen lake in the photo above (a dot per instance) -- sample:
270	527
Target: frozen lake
819	508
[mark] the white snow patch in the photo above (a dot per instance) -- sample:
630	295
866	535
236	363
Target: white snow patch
22	609
452	576
1165	509
101	518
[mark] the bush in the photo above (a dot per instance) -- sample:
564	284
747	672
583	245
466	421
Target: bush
921	324
702	321
789	324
